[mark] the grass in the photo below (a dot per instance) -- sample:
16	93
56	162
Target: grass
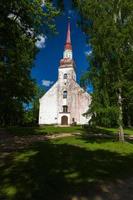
47	130
97	144
128	131
73	168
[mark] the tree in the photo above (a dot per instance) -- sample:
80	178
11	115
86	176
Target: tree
22	23
31	113
109	25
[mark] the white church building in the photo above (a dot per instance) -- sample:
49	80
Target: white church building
65	102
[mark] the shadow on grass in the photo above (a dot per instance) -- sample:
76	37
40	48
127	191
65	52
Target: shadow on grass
101	135
89	130
98	135
61	172
41	130
25	131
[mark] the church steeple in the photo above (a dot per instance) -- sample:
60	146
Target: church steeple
68	45
67	60
68	39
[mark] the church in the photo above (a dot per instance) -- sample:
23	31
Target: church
65	102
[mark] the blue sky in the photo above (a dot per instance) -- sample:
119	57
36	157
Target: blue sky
47	60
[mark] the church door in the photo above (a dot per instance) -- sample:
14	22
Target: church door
64	120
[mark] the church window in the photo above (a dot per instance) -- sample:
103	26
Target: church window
65	76
65	109
64	94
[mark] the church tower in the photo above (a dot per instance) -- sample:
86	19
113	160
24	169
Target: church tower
65	102
66	75
67	63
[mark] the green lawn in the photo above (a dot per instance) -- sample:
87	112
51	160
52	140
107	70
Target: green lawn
43	130
54	130
73	168
128	131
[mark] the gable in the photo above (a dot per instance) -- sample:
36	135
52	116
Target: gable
52	91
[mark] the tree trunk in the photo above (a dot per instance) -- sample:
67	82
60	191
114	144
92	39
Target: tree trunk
118	18
120	117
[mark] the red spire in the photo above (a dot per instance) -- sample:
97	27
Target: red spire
68	39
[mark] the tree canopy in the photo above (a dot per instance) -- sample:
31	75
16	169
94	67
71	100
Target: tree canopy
109	26
22	22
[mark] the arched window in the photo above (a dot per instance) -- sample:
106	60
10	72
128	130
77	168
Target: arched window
64	94
65	76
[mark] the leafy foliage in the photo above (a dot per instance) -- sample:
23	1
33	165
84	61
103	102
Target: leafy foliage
22	23
31	112
109	25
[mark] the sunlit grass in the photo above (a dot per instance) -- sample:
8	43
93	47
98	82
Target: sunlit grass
9	190
128	131
44	130
97	144
48	130
25	156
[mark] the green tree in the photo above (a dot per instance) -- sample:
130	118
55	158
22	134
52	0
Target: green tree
109	25
31	113
22	22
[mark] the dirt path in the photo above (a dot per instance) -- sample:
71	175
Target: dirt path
11	142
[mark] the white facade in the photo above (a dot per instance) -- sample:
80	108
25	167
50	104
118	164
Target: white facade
48	106
66	102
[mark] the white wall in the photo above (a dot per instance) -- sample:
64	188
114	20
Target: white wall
69	71
79	103
48	106
51	103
